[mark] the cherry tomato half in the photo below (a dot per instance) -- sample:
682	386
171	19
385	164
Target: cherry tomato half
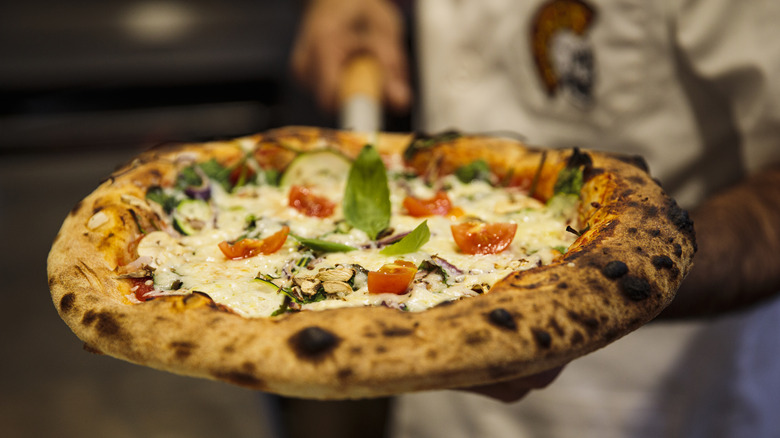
305	201
392	278
438	205
482	238
246	248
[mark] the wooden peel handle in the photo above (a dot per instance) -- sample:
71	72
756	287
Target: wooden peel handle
362	76
360	95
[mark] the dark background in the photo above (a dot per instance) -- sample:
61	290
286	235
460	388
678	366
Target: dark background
84	86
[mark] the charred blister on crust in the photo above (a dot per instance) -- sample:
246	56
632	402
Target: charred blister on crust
477	337
104	323
614	269
393	332
240	378
182	349
76	207
313	343
502	318
587	322
679	217
662	262
344	373
67	302
635	288
542	338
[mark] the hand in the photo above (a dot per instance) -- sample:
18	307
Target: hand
332	31
514	390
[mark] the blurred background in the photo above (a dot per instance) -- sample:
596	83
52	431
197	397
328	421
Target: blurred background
84	86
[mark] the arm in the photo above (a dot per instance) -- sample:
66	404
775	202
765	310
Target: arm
332	31
738	260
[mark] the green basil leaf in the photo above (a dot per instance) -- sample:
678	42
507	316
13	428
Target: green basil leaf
323	245
410	243
367	195
217	173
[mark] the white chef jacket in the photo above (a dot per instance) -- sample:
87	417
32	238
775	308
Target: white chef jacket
691	85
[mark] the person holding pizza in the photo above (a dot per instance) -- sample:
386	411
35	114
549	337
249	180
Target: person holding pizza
691	86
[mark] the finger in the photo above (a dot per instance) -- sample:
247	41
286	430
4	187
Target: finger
514	390
330	60
396	88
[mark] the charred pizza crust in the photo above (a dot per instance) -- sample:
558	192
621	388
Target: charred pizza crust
619	274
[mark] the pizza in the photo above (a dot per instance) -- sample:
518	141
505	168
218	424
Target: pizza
330	264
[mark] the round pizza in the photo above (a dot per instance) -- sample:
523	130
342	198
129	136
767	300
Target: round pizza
330	264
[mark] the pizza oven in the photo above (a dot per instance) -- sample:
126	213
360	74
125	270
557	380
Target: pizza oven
88	73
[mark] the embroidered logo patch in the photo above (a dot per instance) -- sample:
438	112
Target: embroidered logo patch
563	55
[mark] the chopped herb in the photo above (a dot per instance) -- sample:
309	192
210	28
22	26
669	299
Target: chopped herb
188	177
570	178
422	141
158	195
137	221
475	171
217	172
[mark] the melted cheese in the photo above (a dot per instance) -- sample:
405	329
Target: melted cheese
183	264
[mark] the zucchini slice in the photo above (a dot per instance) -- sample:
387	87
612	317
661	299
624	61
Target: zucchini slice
323	169
191	216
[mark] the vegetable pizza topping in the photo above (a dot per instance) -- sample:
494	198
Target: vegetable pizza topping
331	231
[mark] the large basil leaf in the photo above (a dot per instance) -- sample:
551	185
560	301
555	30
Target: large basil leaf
367	196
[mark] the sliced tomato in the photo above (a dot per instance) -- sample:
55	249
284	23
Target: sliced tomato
246	248
392	278
438	205
304	200
482	238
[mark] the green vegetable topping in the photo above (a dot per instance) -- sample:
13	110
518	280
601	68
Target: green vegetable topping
323	245
422	142
570	178
410	243
475	171
367	196
158	195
